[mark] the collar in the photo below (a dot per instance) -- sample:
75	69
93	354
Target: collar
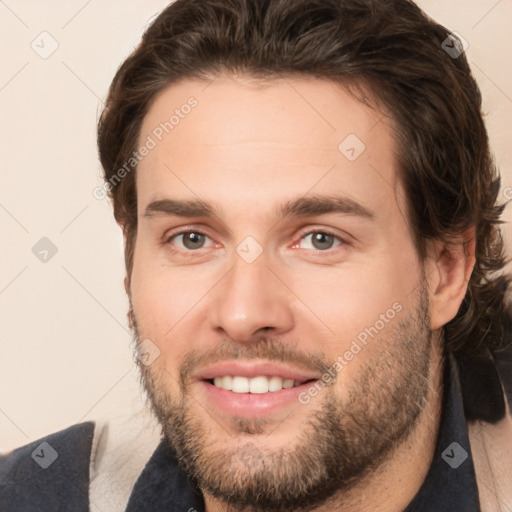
450	483
163	485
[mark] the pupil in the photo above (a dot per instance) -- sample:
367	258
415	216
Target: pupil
193	240
322	241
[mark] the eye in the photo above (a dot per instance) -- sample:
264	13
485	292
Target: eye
188	240
320	241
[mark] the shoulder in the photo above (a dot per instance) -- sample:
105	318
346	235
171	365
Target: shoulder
487	384
48	472
120	450
94	462
491	446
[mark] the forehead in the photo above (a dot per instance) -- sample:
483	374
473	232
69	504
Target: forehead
255	144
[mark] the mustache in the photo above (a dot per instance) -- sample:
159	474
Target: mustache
270	349
266	347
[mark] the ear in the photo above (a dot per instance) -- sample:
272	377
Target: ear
126	279
127	286
448	270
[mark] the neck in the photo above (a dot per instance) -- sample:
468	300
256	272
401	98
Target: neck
392	485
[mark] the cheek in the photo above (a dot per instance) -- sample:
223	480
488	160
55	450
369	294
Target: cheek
351	298
153	301
168	307
158	309
160	301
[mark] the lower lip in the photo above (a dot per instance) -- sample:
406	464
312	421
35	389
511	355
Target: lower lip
252	404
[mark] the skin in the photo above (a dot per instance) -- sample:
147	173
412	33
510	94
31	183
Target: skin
247	149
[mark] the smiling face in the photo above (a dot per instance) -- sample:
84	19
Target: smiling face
273	251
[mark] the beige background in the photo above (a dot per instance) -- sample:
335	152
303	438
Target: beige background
64	342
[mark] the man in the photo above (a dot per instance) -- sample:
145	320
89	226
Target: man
310	213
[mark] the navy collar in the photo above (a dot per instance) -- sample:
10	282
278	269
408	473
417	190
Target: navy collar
163	485
450	483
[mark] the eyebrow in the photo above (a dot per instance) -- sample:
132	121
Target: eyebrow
301	207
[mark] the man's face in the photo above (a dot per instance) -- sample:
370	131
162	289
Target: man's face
291	264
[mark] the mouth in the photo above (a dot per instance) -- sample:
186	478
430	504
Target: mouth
257	385
253	389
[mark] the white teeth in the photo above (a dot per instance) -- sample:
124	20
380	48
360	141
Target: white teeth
240	385
224	382
258	385
227	382
275	384
287	383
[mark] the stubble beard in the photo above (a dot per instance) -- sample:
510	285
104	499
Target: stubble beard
339	445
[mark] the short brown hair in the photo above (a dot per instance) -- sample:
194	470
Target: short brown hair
390	46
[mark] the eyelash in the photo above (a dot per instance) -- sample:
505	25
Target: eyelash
303	235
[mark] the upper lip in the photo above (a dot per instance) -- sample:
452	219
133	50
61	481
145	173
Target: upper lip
254	369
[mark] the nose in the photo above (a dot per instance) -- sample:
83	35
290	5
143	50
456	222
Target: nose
250	300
